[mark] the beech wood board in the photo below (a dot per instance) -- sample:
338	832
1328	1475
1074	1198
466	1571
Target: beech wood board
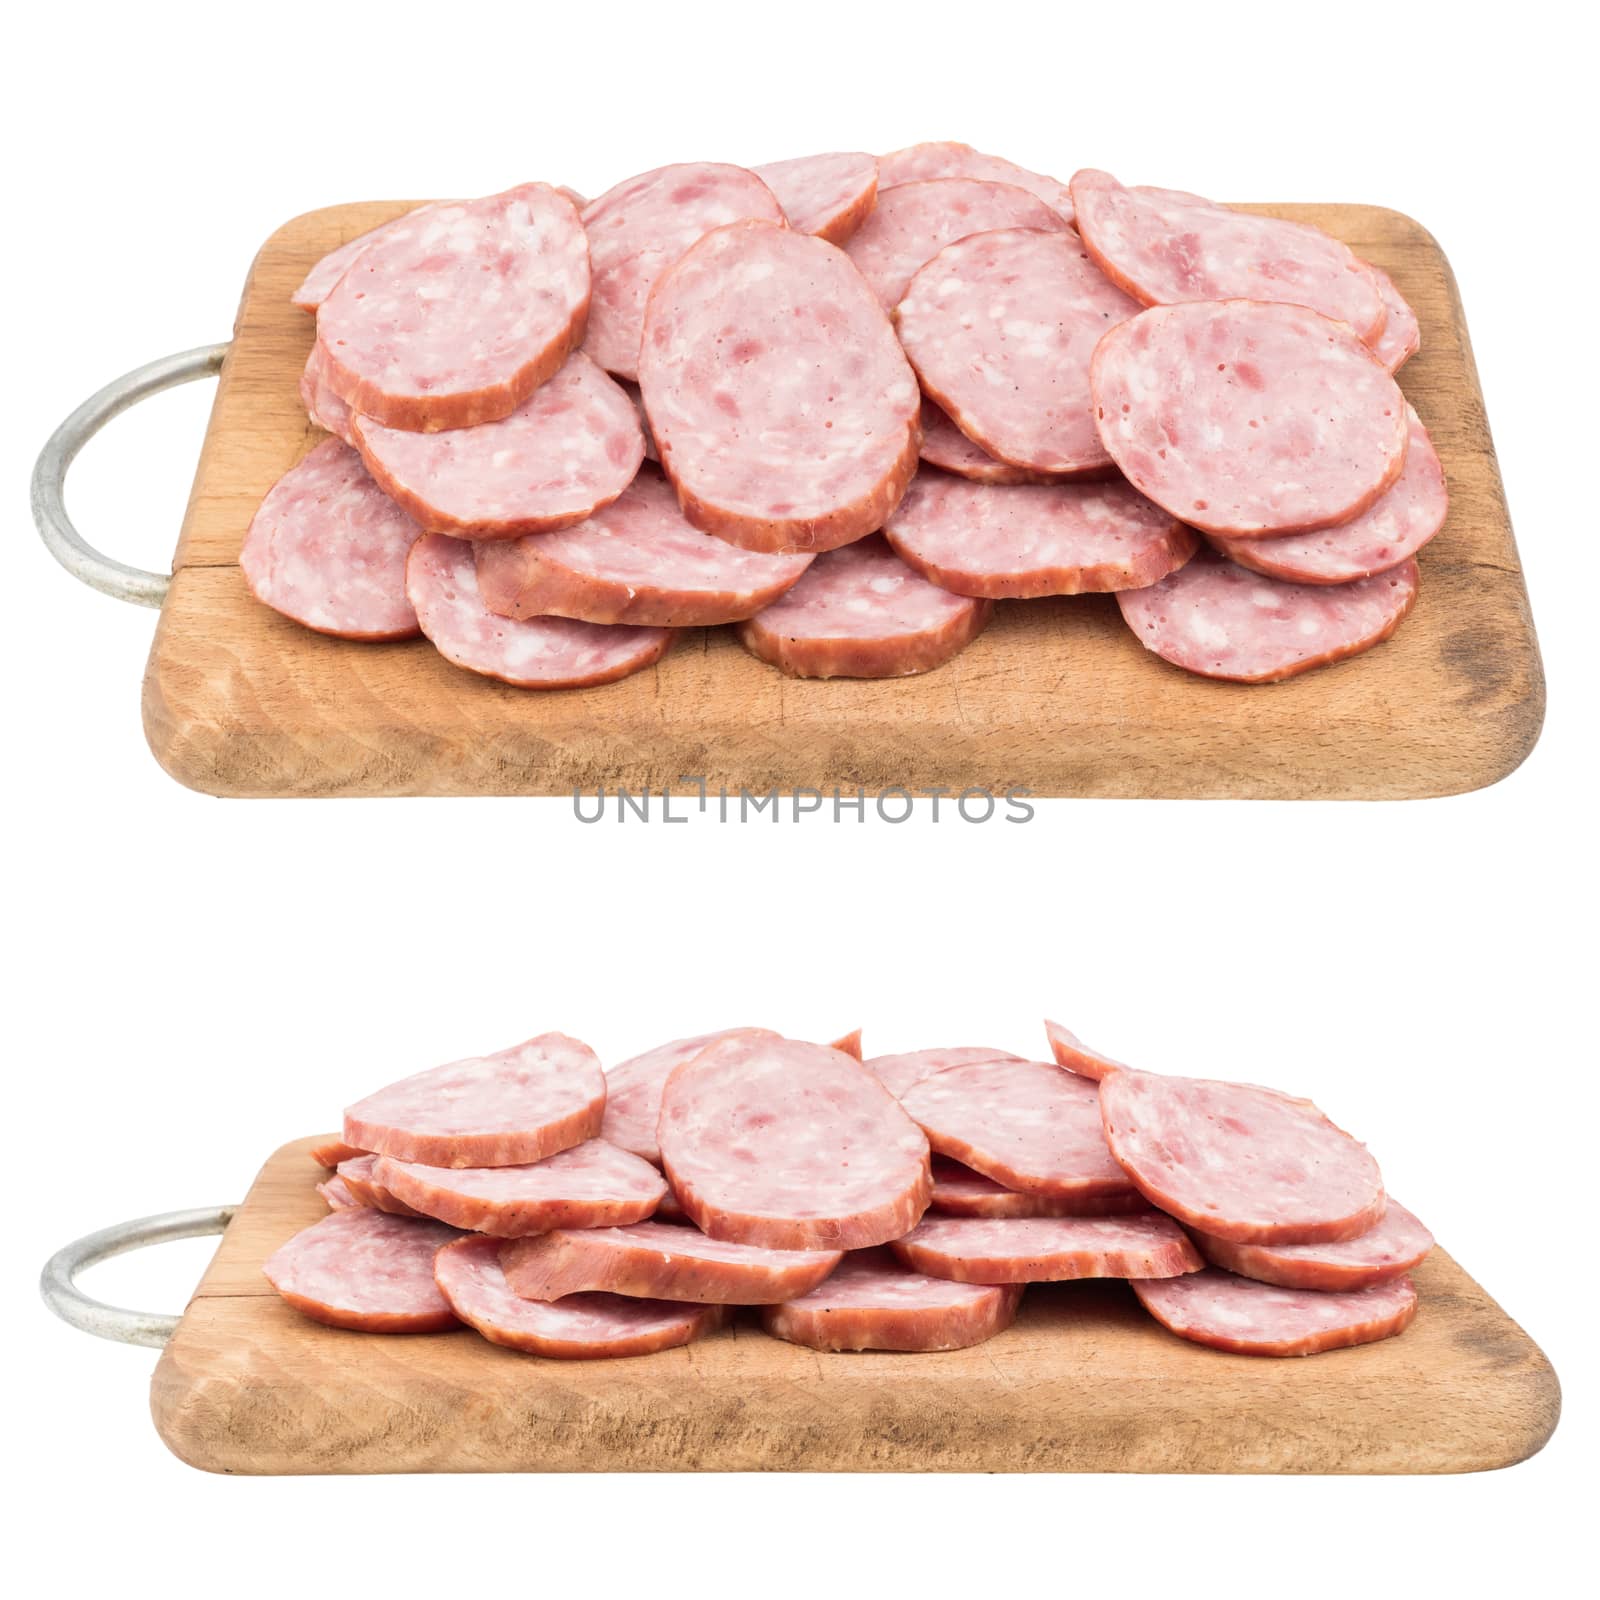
1084	1381
1057	696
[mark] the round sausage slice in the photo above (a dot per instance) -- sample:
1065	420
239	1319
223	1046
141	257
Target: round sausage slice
1402	335
322	405
536	653
949	159
958	1191
1396	1245
1222	621
327	548
1259	1319
572	447
321	280
337	1193
945	445
898	1073
517	1105
873	1302
782	406
655	1260
1247	418
359	1177
790	1145
1072	1053
583	1327
830	196
1240	1162
1143	1244
1019	541
639	560
460	311
862	612
359	1268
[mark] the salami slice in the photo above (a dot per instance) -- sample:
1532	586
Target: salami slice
1402	336
945	445
639	560
783	408
898	1073
1221	621
958	1191
639	228
335	1151
913	222
1164	247
536	653
1019	541
1247	418
568	450
1072	1053
321	280
862	612
327	548
1025	1124
583	1327
1240	1162
322	405
1143	1244
517	1105
591	1185
362	1185
1258	1319
948	159
790	1145
458	312
999	328
653	1260
873	1302
337	1193
830	196
1394	1246
1392	529
359	1268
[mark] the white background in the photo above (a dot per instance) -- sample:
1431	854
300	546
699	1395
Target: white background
197	981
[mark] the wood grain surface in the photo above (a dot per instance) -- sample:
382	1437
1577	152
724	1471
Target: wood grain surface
1084	1382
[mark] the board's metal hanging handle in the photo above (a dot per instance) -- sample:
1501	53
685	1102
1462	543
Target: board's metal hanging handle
58	1281
64	542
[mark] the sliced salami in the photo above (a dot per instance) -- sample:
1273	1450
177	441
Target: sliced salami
862	612
945	445
999	328
337	1193
1072	1053
1222	621
321	280
568	450
791	1145
322	405
517	1105
359	1268
639	560
1402	335
958	1191
1143	1244
653	1260
535	653
782	406
1258	1319
639	228
1396	1245
335	1151
1247	418
362	1185
873	1302
327	548
583	1327
898	1073
948	159
460	311
1019	541
1240	1162
830	196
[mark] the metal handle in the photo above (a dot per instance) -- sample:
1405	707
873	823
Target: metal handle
55	527
57	1283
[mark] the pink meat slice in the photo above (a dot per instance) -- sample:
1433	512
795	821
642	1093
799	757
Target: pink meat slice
327	548
848	1043
1258	1319
1221	620
1396	1245
321	280
862	612
322	405
1247	418
958	1191
583	1327
638	560
783	408
641	227
653	1260
1402	334
829	195
949	159
337	1193
999	328
898	1073
790	1145
568	450
362	1269
1072	1053
590	1185
1164	247
945	445
1019	541
460	311
533	653
1391	530
361	1183
1142	1244
913	222
335	1151
1240	1162
517	1105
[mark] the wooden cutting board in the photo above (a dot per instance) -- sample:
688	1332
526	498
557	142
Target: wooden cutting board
1056	697
1083	1382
